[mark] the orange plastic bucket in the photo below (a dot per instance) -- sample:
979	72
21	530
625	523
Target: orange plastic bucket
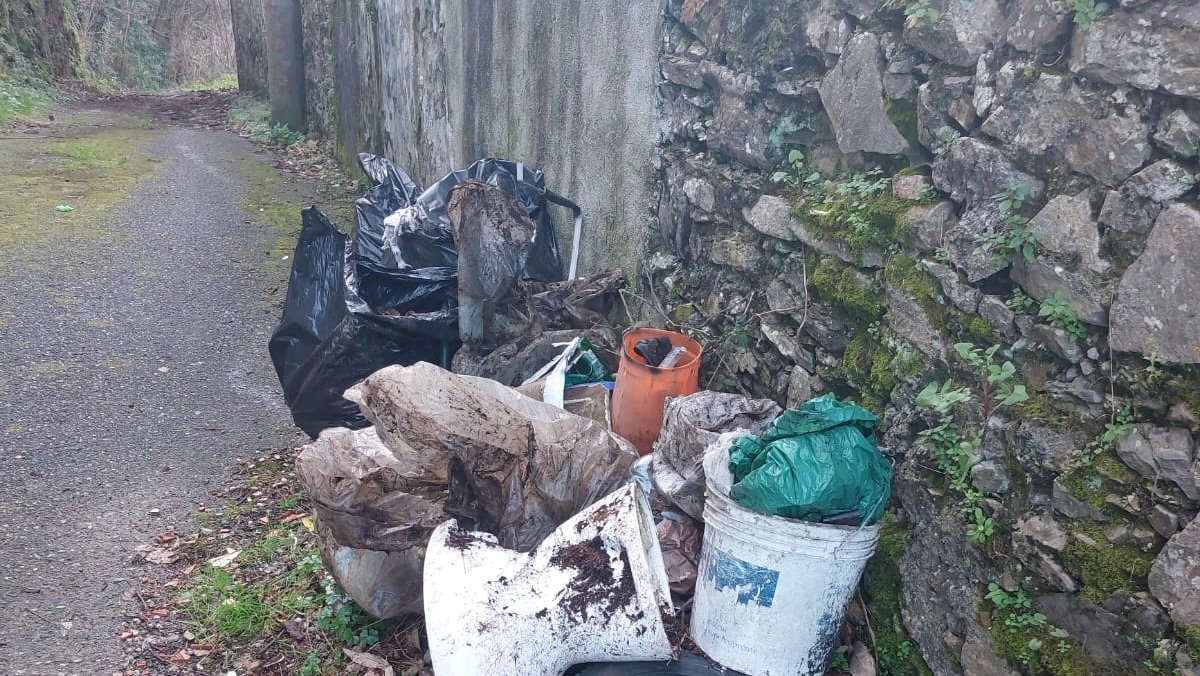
642	390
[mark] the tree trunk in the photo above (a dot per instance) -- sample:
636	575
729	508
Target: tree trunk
249	39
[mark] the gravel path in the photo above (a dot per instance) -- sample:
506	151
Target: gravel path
133	371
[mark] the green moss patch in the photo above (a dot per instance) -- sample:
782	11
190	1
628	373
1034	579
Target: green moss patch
895	653
1103	567
90	172
844	287
267	209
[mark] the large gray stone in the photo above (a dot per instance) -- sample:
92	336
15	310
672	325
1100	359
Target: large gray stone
998	314
738	253
1163	521
930	223
1104	634
1053	122
1126	214
1042	278
1067	229
772	216
1163	453
828	29
964	243
1162	181
1154	47
973	172
1156	310
979	658
1178	134
827	329
1057	341
990	476
803	386
964	30
908	319
964	296
1175	575
1039	23
775	330
1043	530
852	93
1045	446
1065	503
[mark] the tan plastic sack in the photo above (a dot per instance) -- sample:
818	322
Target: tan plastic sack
368	497
519	468
690	425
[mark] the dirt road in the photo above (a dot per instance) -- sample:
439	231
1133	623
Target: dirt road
133	368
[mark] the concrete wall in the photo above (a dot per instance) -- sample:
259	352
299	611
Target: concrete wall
565	87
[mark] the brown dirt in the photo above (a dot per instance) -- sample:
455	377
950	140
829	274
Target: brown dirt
593	588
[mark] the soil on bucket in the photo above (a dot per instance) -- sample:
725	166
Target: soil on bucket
459	539
593	587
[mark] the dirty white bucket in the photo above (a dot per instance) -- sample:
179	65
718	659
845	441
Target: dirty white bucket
771	591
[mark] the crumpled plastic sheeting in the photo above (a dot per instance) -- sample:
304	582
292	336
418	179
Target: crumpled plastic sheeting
373	512
519	467
816	461
690	425
680	537
369	497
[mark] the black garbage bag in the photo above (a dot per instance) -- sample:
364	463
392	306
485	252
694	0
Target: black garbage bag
388	294
330	338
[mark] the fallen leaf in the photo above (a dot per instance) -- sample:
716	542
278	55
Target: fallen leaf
370	661
224	560
182	656
309	524
294	517
247	664
161	556
161	612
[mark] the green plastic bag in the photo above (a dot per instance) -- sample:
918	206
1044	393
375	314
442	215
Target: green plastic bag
814	462
589	369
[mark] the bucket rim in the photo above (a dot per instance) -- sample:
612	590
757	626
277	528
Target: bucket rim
631	336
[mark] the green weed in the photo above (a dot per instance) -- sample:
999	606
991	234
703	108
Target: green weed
956	450
920	13
23	97
1087	11
1061	315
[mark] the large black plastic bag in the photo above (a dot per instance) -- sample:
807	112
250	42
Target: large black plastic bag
388	295
526	184
330	338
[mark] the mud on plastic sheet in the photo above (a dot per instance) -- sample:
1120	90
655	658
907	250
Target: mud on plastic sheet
518	467
690	425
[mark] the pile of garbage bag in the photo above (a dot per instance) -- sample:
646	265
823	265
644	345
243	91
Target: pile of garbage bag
390	293
459	393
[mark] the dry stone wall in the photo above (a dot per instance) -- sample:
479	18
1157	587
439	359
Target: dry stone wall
851	189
